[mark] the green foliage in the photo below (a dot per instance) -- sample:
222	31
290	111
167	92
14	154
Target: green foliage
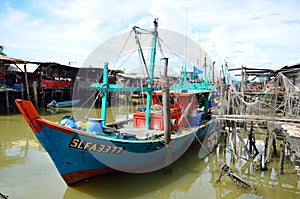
1	50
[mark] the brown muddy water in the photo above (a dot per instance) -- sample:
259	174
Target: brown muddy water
26	171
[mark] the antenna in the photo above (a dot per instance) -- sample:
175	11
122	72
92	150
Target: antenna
199	50
186	32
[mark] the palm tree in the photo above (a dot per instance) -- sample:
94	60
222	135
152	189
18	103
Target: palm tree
1	50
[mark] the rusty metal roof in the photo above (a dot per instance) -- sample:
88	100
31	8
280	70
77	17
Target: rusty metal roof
6	59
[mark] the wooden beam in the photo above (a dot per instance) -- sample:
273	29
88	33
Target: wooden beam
255	118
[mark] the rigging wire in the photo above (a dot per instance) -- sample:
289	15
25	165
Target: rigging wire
86	101
121	51
85	117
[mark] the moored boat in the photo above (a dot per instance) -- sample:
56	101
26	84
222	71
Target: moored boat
143	143
69	103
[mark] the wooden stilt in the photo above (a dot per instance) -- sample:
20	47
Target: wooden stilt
267	141
244	146
250	138
225	138
268	149
35	92
282	157
238	182
257	165
252	145
233	138
233	154
7	100
274	144
26	82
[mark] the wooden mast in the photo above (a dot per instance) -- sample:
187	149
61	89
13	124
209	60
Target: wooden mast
166	104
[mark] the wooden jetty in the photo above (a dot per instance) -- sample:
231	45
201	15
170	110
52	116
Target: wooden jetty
252	118
291	132
270	110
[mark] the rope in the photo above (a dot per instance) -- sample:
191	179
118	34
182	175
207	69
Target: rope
85	117
84	103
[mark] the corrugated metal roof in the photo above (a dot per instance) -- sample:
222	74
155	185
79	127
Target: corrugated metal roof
6	59
30	68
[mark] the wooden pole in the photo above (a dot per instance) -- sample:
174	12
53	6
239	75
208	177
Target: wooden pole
282	157
6	91
252	141
7	100
268	150
213	71
166	104
35	87
233	137
232	123
26	82
250	138
22	91
274	145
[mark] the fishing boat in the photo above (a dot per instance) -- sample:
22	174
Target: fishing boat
153	137
69	103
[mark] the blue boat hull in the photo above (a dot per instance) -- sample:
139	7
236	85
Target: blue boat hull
78	156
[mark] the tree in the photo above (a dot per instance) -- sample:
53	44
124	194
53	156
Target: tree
1	50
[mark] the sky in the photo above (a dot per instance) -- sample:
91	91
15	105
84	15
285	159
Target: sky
252	33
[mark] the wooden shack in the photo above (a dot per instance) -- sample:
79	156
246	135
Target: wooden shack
39	82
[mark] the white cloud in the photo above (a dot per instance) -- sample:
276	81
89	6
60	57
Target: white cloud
223	41
252	33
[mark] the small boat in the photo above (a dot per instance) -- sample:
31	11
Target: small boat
69	103
155	136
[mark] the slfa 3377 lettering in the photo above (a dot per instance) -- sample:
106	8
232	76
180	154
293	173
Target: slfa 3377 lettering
90	146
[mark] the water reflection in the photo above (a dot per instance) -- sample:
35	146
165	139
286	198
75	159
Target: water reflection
190	178
16	139
25	165
159	184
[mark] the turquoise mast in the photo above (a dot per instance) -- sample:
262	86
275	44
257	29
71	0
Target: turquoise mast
151	75
105	88
104	95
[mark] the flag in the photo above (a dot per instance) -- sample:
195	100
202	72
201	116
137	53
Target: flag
197	70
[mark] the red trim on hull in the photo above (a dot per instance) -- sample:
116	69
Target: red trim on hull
30	114
72	178
58	127
35	121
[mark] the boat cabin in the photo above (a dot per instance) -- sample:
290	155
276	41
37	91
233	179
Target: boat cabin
157	117
183	111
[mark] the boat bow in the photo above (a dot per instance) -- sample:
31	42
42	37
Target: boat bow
30	114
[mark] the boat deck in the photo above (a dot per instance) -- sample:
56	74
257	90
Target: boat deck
148	133
141	134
